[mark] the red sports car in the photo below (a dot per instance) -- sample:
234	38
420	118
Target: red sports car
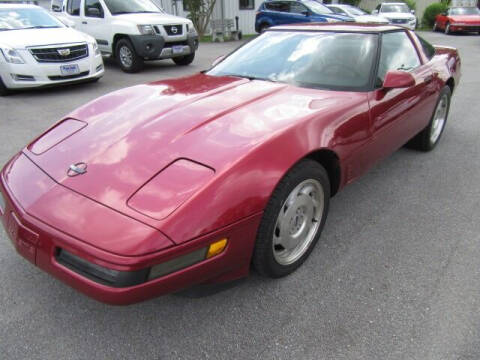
157	187
458	19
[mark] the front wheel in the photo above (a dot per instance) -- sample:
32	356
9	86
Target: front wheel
127	58
184	60
447	29
429	137
3	89
293	220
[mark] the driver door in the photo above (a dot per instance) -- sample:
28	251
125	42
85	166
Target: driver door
94	24
298	13
399	114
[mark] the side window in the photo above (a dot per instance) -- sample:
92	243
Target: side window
246	4
73	7
93	8
336	10
428	49
277	6
297	8
397	53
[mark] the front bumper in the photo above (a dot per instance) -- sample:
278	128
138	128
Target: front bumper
464	27
152	47
40	243
33	74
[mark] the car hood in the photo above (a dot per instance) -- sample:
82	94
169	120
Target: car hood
130	136
398	15
371	19
21	39
147	18
467	19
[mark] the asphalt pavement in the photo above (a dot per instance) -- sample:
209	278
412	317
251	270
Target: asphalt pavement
396	274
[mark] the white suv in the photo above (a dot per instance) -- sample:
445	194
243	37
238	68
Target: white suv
132	31
38	50
397	13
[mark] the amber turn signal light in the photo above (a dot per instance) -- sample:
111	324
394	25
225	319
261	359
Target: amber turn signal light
216	248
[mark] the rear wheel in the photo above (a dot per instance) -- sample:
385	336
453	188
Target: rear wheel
184	60
429	137
126	56
293	220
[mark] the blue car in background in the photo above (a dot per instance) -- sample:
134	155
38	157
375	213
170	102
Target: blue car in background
279	12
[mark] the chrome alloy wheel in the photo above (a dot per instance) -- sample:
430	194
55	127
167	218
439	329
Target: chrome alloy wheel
439	119
298	222
126	56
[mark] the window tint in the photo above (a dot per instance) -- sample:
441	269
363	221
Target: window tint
277	6
428	49
297	8
397	53
73	7
93	8
335	61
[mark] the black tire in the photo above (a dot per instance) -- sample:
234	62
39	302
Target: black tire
263	27
184	60
3	89
447	29
126	56
264	260
423	140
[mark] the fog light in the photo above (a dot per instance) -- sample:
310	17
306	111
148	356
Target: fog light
216	248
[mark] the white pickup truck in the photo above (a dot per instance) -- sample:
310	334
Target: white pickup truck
131	31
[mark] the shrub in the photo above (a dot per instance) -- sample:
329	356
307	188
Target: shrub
431	12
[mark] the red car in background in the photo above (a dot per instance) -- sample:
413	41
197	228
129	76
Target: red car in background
157	187
458	19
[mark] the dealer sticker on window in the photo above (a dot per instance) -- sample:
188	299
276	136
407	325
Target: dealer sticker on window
177	49
71	69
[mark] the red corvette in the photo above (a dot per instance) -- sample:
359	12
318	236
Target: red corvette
458	19
154	188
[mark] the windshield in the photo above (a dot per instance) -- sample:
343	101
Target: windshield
351	10
464	11
324	60
117	7
395	8
318	8
26	18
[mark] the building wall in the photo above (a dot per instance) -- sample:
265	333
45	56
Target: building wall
246	18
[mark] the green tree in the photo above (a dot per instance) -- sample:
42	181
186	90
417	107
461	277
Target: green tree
200	12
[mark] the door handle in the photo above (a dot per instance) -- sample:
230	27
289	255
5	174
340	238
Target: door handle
84	22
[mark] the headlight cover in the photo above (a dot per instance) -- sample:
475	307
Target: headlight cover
191	29
146	29
96	50
12	56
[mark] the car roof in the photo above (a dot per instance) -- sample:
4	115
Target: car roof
340	27
393	3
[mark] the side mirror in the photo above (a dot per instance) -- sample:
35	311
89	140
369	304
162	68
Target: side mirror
375	12
412	11
396	79
218	60
94	12
305	13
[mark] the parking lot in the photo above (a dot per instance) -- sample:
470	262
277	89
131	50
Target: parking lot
396	274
